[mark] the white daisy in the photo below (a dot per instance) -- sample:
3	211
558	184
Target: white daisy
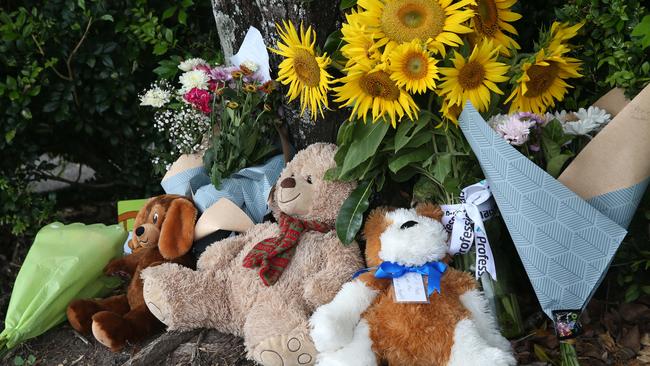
250	65
155	97
190	64
588	121
194	79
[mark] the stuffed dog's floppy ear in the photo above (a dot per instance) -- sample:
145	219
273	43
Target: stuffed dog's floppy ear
177	231
429	210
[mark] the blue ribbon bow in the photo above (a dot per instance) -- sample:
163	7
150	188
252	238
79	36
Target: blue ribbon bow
433	270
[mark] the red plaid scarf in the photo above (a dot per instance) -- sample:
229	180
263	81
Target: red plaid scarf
273	255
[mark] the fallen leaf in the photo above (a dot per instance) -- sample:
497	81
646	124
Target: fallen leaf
607	342
631	339
631	312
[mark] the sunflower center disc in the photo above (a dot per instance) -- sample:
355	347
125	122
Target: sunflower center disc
306	67
471	75
541	79
487	17
379	84
416	66
405	20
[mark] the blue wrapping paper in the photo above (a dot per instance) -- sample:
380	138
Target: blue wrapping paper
565	243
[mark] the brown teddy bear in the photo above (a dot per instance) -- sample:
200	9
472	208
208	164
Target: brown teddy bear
164	229
264	284
450	325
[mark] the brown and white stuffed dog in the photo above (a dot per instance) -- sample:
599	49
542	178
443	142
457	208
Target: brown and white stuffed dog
364	325
264	284
164	229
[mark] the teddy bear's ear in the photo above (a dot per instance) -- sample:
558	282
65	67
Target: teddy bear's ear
429	210
177	231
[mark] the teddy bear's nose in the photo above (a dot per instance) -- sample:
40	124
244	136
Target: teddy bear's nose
288	183
139	230
408	224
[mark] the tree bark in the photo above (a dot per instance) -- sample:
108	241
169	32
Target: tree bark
233	17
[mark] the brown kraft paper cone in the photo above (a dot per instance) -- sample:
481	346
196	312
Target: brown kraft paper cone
618	157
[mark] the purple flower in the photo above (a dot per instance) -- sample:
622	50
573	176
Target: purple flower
221	73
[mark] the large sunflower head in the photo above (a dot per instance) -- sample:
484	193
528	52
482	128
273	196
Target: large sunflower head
492	19
366	88
302	69
412	67
360	45
543	82
437	22
473	78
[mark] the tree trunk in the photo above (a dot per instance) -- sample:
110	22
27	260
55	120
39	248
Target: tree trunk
233	17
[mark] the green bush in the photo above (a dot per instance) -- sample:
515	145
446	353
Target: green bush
70	75
613	56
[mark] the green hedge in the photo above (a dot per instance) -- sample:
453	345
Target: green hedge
70	75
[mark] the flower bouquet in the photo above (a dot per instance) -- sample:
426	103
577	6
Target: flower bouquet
227	113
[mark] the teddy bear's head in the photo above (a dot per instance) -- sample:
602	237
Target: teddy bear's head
167	222
410	237
303	192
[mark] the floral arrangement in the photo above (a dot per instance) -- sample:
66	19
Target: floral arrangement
412	65
552	139
405	69
225	113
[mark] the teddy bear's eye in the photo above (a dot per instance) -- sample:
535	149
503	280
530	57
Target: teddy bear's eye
408	224
309	179
155	218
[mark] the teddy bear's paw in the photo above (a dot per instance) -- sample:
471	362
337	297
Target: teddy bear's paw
358	352
285	350
329	330
110	329
495	357
156	301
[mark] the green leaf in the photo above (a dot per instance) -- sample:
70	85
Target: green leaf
107	17
442	166
182	17
350	217
554	166
643	30
632	293
401	160
333	42
367	138
9	136
160	48
169	12
31	359
81	4
19	361
402	137
346	4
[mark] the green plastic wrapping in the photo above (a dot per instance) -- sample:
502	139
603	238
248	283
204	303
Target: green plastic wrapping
64	263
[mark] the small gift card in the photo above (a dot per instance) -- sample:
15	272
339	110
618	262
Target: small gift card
410	287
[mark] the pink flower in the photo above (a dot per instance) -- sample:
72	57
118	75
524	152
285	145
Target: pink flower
200	99
515	130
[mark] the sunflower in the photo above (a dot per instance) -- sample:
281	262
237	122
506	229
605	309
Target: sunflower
450	112
561	33
543	81
472	79
360	45
302	69
412	67
437	22
491	19
367	88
